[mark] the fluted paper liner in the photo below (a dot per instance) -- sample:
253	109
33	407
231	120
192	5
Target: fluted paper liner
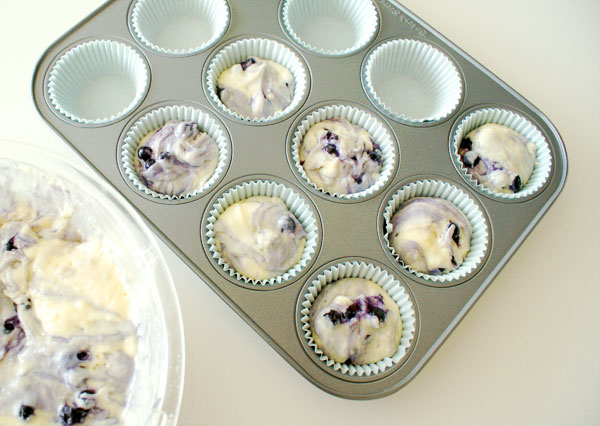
543	155
98	82
181	27
413	81
154	120
332	28
447	191
295	203
356	116
272	50
388	283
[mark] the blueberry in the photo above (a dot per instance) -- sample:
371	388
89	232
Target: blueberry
10	245
72	416
456	233
516	184
375	156
83	355
247	63
378	312
289	224
26	411
350	312
144	153
149	164
165	155
334	317
10	324
358	179
476	161
466	143
330	135
331	149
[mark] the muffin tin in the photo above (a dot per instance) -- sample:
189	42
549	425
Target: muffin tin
99	84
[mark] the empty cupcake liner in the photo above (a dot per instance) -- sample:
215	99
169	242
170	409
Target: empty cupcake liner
331	28
543	155
272	50
295	203
98	82
354	269
438	189
376	129
154	120
180	27
413	81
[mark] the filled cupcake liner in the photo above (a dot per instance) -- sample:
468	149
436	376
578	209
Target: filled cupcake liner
447	191
98	81
413	81
388	283
295	203
180	27
302	19
272	50
543	155
356	116
154	120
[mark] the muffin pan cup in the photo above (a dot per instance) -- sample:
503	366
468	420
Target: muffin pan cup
351	230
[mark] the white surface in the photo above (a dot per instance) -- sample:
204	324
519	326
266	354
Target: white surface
528	352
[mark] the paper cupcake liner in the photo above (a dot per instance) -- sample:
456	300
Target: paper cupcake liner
154	120
376	129
413	81
543	155
386	281
98	82
179	28
295	204
331	28
438	189
266	49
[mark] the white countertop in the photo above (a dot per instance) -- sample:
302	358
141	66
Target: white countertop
527	353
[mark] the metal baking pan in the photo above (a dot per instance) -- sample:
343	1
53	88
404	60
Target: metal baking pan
348	229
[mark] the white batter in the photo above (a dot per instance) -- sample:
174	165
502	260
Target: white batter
431	235
355	321
340	157
259	237
67	341
177	158
498	157
256	88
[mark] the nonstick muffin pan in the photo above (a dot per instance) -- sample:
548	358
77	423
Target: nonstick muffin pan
131	62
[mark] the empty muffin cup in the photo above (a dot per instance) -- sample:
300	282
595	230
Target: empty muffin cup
98	82
202	122
296	205
543	156
412	81
381	138
181	27
331	28
240	52
438	189
394	288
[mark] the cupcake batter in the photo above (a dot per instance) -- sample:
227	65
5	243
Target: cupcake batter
177	158
430	235
259	237
67	343
256	88
355	321
340	157
499	158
